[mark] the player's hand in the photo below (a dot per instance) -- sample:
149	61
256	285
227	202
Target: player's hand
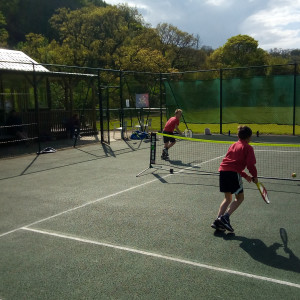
255	179
249	178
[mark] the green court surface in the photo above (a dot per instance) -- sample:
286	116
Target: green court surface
79	224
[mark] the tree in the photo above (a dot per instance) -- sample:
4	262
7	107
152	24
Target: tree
111	37
144	60
3	31
239	51
141	53
38	47
295	56
95	33
32	16
180	48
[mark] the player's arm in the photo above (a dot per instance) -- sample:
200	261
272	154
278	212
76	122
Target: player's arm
246	176
177	129
251	161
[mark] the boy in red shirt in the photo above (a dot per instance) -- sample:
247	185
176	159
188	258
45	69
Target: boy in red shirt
169	128
239	156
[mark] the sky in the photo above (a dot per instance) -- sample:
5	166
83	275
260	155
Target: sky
273	23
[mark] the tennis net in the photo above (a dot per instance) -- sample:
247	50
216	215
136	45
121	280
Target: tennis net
273	161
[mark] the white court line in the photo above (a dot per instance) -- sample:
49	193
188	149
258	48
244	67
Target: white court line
83	205
92	202
279	151
165	257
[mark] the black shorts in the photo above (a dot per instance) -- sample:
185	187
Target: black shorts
168	139
231	182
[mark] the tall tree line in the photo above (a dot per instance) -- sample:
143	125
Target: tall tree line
94	34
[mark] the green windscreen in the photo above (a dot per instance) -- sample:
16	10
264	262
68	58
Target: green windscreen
256	100
260	100
199	100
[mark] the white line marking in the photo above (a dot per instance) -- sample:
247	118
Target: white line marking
169	258
92	202
279	151
83	205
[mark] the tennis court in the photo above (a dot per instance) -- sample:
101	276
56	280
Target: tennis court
79	224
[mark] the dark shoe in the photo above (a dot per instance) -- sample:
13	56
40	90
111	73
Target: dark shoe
226	223
165	154
218	225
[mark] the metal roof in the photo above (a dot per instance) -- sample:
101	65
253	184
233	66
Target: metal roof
18	61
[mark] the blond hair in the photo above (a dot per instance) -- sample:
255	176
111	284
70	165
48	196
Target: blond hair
177	111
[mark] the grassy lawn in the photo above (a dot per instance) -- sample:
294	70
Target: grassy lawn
215	128
250	116
262	128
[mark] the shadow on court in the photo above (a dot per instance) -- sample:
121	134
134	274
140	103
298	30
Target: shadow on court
84	154
267	255
88	228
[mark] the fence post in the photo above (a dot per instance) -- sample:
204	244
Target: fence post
221	101
160	104
36	104
121	105
100	99
295	94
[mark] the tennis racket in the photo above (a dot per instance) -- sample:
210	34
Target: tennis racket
263	192
188	133
284	237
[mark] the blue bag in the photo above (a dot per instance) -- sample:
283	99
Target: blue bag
138	135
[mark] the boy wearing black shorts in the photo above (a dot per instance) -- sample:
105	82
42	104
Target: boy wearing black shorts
239	156
169	128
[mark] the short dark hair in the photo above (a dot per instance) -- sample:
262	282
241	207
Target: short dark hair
244	132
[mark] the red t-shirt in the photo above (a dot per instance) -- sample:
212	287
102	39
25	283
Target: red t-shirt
170	125
239	156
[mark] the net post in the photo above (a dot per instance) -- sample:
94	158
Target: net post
152	149
152	153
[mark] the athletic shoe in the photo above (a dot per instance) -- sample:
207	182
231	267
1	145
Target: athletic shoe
218	225
165	157
165	154
226	223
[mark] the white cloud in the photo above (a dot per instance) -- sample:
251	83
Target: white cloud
217	2
273	23
276	26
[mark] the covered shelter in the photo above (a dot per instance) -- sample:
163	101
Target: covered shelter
45	97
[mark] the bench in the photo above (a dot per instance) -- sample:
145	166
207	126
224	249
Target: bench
5	137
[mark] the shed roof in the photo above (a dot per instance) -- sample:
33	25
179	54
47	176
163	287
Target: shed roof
18	61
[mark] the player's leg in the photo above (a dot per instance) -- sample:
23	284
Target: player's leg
236	187
171	144
225	204
164	154
217	224
168	143
239	198
224	219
